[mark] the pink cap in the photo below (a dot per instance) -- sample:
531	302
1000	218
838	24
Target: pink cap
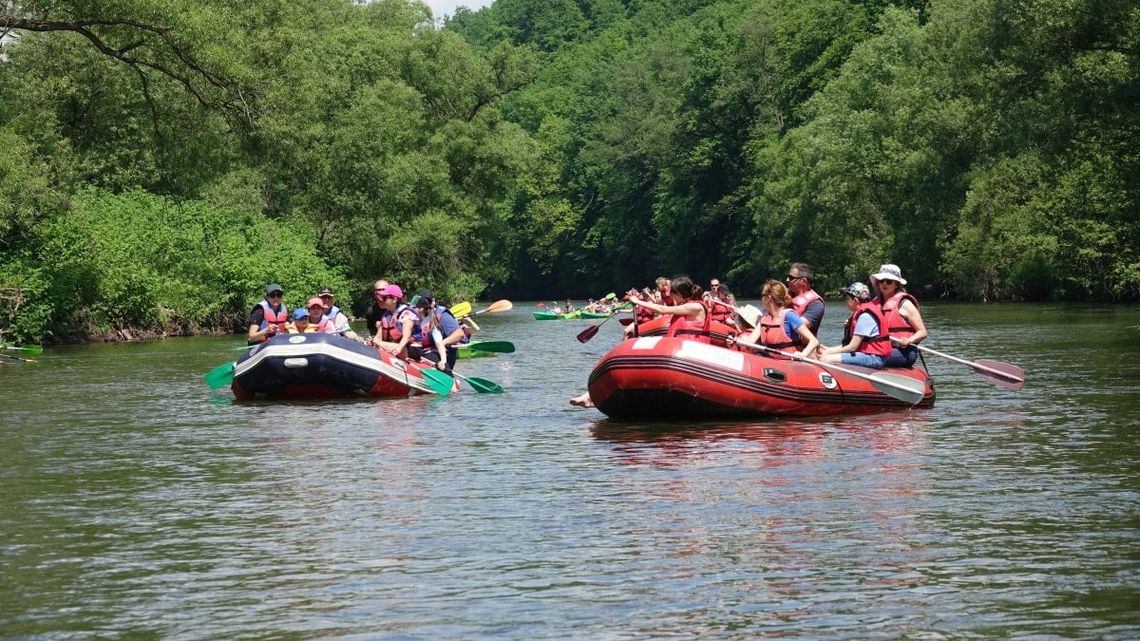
393	290
316	302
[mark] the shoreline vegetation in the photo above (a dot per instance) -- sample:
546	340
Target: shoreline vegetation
161	163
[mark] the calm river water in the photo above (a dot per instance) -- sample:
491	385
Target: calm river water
135	502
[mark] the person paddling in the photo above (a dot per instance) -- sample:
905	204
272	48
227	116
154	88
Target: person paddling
904	322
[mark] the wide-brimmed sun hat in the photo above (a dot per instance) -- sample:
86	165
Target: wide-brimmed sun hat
889	272
858	290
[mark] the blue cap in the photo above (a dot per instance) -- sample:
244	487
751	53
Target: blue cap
300	312
274	288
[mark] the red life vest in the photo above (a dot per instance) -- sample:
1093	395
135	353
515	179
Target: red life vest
800	304
878	345
644	314
720	313
772	332
897	325
269	316
391	330
681	325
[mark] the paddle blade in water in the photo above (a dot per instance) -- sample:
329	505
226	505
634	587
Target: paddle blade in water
588	333
499	347
27	349
461	309
904	388
220	376
484	386
999	373
439	382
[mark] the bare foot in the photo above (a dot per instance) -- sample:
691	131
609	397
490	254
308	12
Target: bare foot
582	400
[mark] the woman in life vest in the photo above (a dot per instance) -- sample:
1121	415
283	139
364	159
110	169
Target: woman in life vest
781	328
690	315
318	322
436	334
396	321
268	316
904	322
865	339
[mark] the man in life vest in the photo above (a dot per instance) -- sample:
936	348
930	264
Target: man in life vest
904	322
268	316
805	301
335	315
865	338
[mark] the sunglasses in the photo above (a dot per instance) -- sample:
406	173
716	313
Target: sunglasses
715	286
276	294
789	278
387	296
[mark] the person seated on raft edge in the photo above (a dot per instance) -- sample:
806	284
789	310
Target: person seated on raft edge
268	316
466	323
865	340
900	309
397	321
436	333
780	328
686	307
335	315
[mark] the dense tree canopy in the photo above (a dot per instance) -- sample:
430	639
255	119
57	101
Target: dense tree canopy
162	161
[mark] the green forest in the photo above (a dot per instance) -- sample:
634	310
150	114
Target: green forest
161	162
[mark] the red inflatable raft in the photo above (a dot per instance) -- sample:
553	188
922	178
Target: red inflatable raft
307	366
663	377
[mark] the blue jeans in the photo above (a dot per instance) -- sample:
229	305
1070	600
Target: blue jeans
904	357
863	359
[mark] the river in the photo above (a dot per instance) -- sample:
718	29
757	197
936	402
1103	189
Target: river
138	503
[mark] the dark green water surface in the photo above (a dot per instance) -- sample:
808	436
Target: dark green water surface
137	503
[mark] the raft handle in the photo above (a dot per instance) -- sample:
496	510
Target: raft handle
775	375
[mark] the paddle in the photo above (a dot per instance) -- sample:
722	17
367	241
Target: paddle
18	358
499	347
999	373
590	331
220	376
439	382
459	310
749	313
30	349
905	389
481	385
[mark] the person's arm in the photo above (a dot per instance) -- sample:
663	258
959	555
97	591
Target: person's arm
408	323
685	309
813	314
344	329
811	343
908	311
437	339
472	324
450	328
254	335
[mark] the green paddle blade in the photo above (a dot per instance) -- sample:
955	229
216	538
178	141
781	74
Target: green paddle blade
482	385
439	382
17	358
220	376
30	349
500	347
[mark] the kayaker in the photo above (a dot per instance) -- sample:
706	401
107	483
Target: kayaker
335	315
781	328
268	316
904	322
865	339
808	304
